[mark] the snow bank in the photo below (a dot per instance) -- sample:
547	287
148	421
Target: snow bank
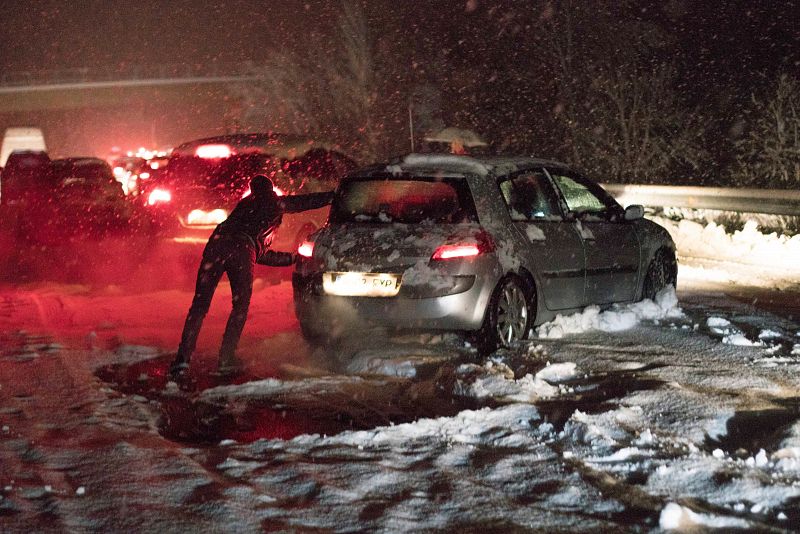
618	318
507	426
778	254
271	387
621	442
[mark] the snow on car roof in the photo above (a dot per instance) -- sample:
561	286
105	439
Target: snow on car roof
272	143
465	164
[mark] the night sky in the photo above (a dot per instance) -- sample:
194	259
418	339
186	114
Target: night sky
719	39
484	57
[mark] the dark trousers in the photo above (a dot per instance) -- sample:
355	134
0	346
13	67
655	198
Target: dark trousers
235	256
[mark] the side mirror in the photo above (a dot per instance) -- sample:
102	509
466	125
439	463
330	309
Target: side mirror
634	212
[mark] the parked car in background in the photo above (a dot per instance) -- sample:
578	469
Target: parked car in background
25	174
205	178
46	201
85	200
88	184
488	246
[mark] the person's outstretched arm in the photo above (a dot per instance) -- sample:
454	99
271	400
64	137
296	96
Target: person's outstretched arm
273	258
310	201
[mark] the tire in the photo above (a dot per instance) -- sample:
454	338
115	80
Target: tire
663	271
509	316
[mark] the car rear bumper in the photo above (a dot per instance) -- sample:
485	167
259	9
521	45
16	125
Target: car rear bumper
324	314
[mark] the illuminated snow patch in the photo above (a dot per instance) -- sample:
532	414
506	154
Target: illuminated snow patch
732	335
677	517
496	380
467	427
616	319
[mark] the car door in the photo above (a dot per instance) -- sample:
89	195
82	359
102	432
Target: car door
610	242
553	247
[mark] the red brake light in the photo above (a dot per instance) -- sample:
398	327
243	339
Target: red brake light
306	249
446	252
213	151
484	243
158	195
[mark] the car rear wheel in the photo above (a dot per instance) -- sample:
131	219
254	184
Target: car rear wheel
662	272
509	317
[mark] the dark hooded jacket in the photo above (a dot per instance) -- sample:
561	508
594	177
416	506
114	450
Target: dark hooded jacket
256	217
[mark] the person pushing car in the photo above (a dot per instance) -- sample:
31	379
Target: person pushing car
235	246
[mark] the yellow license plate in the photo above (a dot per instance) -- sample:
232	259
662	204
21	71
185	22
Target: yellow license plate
361	284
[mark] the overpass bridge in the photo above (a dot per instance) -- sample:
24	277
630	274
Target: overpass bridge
38	90
88	110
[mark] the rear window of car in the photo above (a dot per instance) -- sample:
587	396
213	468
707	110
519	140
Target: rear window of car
315	170
94	172
404	200
231	172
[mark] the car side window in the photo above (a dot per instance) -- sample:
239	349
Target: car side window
528	196
580	199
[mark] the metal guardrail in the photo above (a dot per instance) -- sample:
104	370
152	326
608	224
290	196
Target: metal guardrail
766	201
125	72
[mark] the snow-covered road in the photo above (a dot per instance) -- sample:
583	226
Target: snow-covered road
671	414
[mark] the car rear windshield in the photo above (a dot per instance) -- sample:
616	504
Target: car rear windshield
403	200
232	172
95	172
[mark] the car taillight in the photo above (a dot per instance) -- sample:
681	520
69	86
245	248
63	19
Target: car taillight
306	249
158	195
212	151
464	250
446	252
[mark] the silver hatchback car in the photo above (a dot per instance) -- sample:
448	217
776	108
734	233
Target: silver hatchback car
489	246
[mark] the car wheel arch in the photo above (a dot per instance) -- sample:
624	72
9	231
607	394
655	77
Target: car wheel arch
661	253
525	280
527	277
